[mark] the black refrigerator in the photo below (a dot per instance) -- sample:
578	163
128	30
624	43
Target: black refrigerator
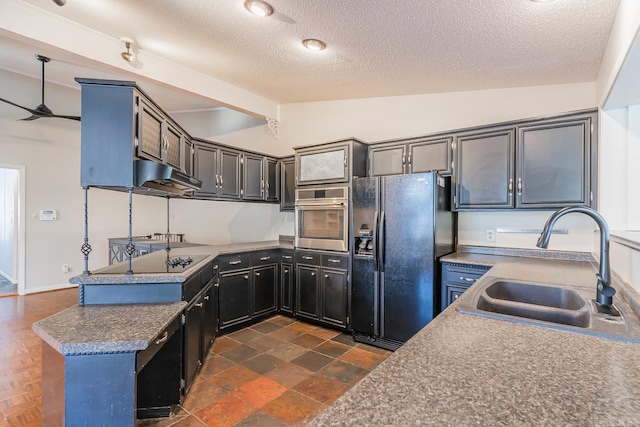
402	225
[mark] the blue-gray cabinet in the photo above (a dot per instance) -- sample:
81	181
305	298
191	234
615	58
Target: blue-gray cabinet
456	279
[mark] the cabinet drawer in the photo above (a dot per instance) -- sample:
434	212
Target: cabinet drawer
464	276
335	261
304	257
144	356
234	262
286	256
264	257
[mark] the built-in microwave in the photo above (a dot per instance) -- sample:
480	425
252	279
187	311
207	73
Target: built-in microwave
321	218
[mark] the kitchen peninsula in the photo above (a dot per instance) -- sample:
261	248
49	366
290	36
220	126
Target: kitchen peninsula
127	322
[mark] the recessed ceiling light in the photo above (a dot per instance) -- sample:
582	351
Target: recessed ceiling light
258	7
541	1
314	44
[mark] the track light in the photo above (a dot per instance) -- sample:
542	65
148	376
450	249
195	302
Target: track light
128	55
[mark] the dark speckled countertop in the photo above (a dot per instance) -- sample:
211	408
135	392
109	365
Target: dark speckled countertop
463	370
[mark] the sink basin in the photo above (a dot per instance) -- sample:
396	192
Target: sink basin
547	303
553	306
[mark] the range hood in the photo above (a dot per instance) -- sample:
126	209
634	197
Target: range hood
162	177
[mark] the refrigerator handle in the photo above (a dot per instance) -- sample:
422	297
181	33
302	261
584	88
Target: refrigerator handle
374	237
381	239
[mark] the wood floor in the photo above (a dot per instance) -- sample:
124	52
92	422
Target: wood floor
279	372
21	353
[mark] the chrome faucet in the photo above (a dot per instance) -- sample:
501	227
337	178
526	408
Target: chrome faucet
605	292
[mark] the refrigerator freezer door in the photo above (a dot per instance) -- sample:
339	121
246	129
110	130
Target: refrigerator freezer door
408	281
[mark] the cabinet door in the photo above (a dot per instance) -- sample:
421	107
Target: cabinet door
553	164
264	289
209	317
172	138
334	297
272	175
150	123
430	155
307	288
192	341
229	174
234	296
205	162
253	181
323	165
187	156
387	160
286	288
287	184
484	177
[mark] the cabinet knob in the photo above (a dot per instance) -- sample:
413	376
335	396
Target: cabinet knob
246	276
313	274
456	296
510	187
257	274
206	297
326	276
199	304
286	271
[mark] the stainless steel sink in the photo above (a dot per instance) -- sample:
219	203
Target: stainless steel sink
547	303
552	306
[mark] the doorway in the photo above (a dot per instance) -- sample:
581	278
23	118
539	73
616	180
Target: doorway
12	234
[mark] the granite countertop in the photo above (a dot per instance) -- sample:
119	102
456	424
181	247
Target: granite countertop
103	277
97	329
470	370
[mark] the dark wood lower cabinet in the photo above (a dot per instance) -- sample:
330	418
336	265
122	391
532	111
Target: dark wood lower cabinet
193	332
334	297
234	293
307	287
286	288
264	289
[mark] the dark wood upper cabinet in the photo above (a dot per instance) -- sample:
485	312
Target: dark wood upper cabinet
287	184
411	156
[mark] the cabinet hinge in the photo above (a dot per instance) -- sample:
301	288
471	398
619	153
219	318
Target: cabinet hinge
135	142
183	319
182	383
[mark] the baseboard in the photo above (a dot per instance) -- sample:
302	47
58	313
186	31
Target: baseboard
49	288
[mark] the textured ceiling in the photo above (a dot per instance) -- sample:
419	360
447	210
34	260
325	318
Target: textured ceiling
375	47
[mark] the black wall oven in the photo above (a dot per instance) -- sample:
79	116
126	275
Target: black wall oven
321	218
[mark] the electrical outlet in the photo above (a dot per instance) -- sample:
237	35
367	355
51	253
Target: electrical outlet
65	268
490	235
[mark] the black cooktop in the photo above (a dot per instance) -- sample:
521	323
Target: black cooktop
153	263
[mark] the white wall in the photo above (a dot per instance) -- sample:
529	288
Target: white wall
396	117
50	151
8	223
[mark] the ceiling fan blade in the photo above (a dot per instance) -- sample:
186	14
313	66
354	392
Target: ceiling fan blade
32	117
19	106
64	117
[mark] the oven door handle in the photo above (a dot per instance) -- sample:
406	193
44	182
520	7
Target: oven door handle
321	204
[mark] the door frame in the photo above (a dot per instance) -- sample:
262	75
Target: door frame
20	218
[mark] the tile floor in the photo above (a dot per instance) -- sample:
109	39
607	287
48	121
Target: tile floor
279	372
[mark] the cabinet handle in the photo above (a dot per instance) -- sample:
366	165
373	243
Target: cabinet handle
206	297
519	186
409	158
455	297
246	276
335	261
215	267
313	274
235	262
162	339
467	279
257	274
221	181
199	304
307	257
262	184
510	186
403	159
286	271
217	180
286	256
265	258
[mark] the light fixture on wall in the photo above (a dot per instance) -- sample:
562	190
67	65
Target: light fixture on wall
314	44
128	55
258	7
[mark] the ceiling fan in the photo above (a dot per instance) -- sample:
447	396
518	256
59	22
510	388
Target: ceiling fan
41	111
